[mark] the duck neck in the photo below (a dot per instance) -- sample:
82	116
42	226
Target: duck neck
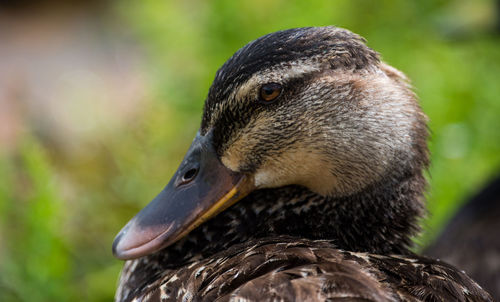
381	219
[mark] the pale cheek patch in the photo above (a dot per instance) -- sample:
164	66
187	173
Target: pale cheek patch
291	168
262	179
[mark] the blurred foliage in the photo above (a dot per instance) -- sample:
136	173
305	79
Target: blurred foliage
59	212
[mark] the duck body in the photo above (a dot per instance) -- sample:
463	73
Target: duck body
292	269
304	183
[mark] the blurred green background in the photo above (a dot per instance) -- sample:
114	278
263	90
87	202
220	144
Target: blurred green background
100	100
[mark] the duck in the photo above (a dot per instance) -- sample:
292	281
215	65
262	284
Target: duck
305	182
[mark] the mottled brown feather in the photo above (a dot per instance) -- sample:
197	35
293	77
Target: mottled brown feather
290	269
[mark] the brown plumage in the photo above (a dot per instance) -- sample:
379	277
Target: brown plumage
304	183
291	269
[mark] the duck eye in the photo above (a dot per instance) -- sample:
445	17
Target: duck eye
270	92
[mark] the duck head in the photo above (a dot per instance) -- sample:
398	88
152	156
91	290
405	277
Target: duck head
313	107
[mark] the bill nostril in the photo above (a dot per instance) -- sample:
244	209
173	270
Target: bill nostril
189	175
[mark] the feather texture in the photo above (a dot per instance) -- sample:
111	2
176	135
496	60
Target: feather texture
291	269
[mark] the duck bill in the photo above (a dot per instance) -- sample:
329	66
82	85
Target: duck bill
201	188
